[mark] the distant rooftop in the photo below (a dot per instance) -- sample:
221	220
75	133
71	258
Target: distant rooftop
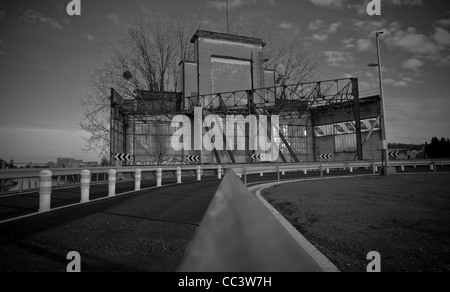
227	37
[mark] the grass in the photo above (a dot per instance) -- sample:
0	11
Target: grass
406	218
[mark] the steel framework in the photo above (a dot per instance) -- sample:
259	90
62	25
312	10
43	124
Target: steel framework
287	101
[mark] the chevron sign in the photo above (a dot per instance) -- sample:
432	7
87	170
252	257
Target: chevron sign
122	157
193	158
325	156
394	154
256	156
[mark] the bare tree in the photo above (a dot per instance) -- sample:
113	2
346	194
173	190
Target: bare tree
146	58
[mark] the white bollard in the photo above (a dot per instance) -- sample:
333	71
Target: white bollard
328	170
159	177
45	190
219	172
178	175
112	183
85	185
261	174
305	171
403	168
137	180
351	169
432	167
199	173
283	172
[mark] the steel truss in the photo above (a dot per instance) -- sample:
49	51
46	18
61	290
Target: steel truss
287	101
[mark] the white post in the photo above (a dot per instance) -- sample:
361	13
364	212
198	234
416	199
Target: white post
283	172
159	177
403	168
137	180
85	185
199	173
305	171
351	169
178	175
431	167
219	172
328	170
112	183
45	190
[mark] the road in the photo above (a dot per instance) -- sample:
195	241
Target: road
148	230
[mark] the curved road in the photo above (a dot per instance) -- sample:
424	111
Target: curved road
148	230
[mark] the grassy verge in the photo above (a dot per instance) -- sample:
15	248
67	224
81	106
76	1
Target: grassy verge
406	218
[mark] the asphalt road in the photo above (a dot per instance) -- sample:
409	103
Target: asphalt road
145	231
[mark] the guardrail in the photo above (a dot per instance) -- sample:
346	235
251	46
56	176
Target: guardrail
112	176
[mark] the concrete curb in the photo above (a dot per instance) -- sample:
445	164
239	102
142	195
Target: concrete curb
317	256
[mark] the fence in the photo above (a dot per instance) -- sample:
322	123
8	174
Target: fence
50	179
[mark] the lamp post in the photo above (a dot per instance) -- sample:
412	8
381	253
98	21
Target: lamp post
383	115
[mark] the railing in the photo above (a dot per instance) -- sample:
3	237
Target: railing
112	176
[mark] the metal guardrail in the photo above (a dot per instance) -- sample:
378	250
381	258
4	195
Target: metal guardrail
112	175
251	168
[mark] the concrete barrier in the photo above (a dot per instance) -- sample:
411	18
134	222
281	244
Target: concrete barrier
112	179
85	185
45	190
159	177
179	174
137	179
199	173
239	234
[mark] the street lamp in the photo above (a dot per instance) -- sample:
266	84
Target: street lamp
383	115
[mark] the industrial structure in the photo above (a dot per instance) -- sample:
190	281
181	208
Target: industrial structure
319	121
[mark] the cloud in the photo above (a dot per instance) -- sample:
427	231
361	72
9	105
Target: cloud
323	31
114	18
406	2
362	45
89	37
233	4
35	17
429	47
320	37
443	22
444	62
413	64
442	36
328	3
286	25
400	83
337	58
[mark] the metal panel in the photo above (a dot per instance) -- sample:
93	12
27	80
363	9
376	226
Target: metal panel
345	143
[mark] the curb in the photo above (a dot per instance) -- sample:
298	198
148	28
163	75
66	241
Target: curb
315	254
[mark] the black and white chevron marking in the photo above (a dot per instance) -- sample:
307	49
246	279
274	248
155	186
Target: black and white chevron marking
257	156
122	157
325	156
394	154
193	158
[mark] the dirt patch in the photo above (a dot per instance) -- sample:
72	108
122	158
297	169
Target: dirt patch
406	218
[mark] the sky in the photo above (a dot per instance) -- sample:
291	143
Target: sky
47	56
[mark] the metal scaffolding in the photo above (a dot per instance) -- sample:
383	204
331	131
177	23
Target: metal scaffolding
287	101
